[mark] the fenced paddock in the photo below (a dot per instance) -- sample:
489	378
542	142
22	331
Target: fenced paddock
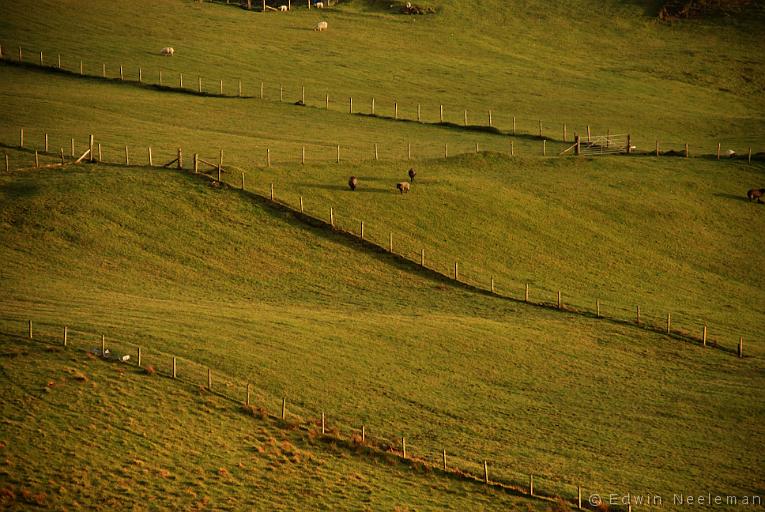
290	412
674	324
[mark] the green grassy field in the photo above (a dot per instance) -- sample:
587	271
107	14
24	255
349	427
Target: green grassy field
224	279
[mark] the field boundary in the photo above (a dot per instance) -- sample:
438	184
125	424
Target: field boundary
356	440
542	132
446	269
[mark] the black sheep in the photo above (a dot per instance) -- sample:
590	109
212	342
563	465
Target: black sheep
412	174
352	181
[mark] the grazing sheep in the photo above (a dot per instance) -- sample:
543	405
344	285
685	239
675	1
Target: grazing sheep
352	181
756	193
731	153
167	51
321	26
403	187
319	5
283	8
412	174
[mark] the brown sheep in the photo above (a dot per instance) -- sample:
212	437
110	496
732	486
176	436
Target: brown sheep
403	187
756	193
412	174
352	182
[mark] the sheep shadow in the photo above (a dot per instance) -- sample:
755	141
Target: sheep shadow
741	198
345	188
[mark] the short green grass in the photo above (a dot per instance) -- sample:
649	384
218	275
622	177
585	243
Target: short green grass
305	313
116	438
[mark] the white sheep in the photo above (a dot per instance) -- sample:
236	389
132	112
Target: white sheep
167	51
319	5
283	8
321	26
731	153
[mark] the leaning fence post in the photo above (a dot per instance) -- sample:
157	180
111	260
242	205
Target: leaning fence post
151	161
485	472
37	159
749	157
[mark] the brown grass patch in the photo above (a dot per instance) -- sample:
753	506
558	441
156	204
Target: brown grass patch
560	505
150	370
223	472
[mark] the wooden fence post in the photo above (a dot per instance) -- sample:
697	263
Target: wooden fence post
21	57
531	485
597	308
122	76
338	153
326	102
657	147
741	346
65	334
7	163
577	145
391	242
209	379
100	156
180	80
195	162
160	78
90	148
363	433
686	150
220	89
140	75
456	271
21	137
526	295
139	356
444	459
589	139
629	144
485	472
30	329
373	106
441	113
544	147
350	104
512	148
408	151
103	346
362	230
302	156
261	90
175	368
669	323
565	134
422	257
446	150
376	156
704	336
301	205
284	408
638	315
46	143
180	158
80	67
281	92
127	156
419	117
272	191
513	125
151	161
579	497
559	301
37	159
323	429
242	180
199	85
302	93
395	110
465	118
718	150
540	128
220	162
749	157
490	122
239	89
247	400
492	284
476	148
72	147
403	446
331	217
268	157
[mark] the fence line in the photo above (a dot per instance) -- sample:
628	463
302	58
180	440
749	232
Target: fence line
534	129
448	267
261	404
